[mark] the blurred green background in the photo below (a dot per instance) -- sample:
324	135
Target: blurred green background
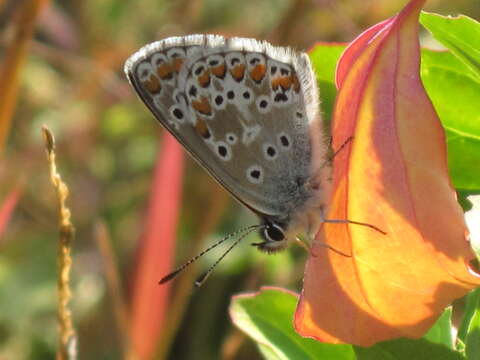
107	143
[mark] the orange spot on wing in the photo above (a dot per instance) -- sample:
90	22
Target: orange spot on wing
284	81
177	64
202	106
164	71
258	72
202	129
238	72
152	85
219	71
204	79
296	83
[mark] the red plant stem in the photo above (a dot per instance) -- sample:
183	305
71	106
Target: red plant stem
157	250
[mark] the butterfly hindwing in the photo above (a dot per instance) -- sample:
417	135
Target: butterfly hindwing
242	108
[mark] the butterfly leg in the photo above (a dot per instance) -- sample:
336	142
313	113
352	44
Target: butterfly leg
336	221
329	247
345	143
302	244
322	244
315	224
333	153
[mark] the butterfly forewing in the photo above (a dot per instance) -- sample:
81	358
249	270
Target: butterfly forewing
242	108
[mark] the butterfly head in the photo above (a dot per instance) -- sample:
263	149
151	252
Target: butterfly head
274	237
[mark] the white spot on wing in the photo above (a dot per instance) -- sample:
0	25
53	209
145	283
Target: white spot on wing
255	174
219	100
264	104
269	151
250	133
231	138
175	53
144	70
223	150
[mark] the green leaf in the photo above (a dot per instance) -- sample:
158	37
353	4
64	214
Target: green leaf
463	200
324	58
443	75
441	332
472	218
469	305
455	94
472	345
460	34
401	349
267	352
267	317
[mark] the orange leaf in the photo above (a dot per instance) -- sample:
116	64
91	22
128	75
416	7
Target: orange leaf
356	47
392	175
157	250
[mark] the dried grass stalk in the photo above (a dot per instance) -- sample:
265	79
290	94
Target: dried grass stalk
67	346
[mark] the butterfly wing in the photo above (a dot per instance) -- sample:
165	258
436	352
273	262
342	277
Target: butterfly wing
245	110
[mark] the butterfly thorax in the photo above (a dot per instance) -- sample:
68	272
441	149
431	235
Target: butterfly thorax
306	219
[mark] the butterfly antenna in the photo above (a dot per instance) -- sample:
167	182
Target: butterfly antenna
170	276
199	282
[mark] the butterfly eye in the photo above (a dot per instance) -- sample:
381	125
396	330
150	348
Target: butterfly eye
273	232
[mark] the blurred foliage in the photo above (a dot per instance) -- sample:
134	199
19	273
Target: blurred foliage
72	80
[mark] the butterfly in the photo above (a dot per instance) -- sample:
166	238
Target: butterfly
248	112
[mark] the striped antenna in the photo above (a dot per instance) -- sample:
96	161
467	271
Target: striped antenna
207	273
173	274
